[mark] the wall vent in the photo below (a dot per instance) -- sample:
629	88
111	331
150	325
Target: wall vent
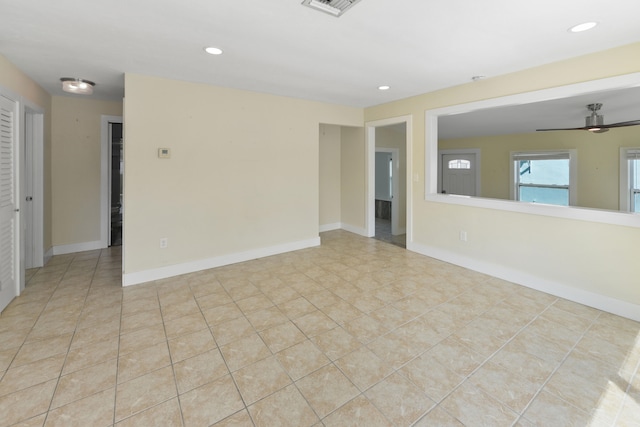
332	7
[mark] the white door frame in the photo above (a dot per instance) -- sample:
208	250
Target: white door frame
466	151
105	178
370	156
395	189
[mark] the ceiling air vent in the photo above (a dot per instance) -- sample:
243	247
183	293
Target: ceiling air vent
332	7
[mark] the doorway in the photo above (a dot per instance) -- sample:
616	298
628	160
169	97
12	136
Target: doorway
390	136
389	227
32	164
115	181
111	181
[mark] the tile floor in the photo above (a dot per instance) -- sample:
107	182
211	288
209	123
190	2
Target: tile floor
356	332
383	233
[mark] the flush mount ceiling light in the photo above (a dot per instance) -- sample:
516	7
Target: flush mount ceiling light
213	50
582	27
77	86
384	87
332	7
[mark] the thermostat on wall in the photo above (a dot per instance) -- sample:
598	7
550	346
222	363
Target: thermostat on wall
164	153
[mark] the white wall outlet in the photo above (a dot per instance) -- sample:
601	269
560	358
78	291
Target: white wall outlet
164	242
463	236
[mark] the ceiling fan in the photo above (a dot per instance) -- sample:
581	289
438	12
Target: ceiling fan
595	122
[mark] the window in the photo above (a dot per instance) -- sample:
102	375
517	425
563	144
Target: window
459	164
544	177
630	179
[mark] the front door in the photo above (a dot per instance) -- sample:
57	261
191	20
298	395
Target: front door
458	174
9	235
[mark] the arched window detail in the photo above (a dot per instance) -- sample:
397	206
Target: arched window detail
459	164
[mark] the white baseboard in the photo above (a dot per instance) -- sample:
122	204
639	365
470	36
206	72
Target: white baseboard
77	247
356	230
591	299
330	227
138	277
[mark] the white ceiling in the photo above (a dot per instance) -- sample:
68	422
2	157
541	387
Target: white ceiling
284	48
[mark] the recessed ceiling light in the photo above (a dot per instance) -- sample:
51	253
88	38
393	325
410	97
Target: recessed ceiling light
384	87
582	27
213	50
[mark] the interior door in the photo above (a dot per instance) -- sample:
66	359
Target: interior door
9	234
459	174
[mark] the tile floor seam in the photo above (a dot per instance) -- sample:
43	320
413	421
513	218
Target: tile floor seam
636	373
485	361
66	355
557	366
252	274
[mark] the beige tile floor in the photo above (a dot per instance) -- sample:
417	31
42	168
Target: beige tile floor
356	332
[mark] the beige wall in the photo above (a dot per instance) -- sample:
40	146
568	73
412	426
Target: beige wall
243	173
598	160
583	255
75	162
387	138
330	143
353	190
19	83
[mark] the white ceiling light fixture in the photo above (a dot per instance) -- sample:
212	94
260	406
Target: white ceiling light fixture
384	87
213	50
332	7
585	26
77	86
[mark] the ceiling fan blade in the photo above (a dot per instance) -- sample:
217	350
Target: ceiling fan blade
622	124
545	130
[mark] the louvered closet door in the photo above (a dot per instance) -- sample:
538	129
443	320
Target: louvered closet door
8	195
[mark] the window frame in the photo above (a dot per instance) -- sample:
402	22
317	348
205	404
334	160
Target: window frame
626	190
570	154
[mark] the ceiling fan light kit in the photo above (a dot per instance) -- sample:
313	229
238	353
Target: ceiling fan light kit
594	122
77	86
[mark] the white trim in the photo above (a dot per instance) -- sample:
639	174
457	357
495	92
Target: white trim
77	247
573	212
478	161
105	159
330	227
355	230
370	145
219	261
591	299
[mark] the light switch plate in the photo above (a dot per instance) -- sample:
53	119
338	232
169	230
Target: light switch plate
164	153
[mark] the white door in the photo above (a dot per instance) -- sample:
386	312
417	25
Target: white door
458	174
27	182
9	243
